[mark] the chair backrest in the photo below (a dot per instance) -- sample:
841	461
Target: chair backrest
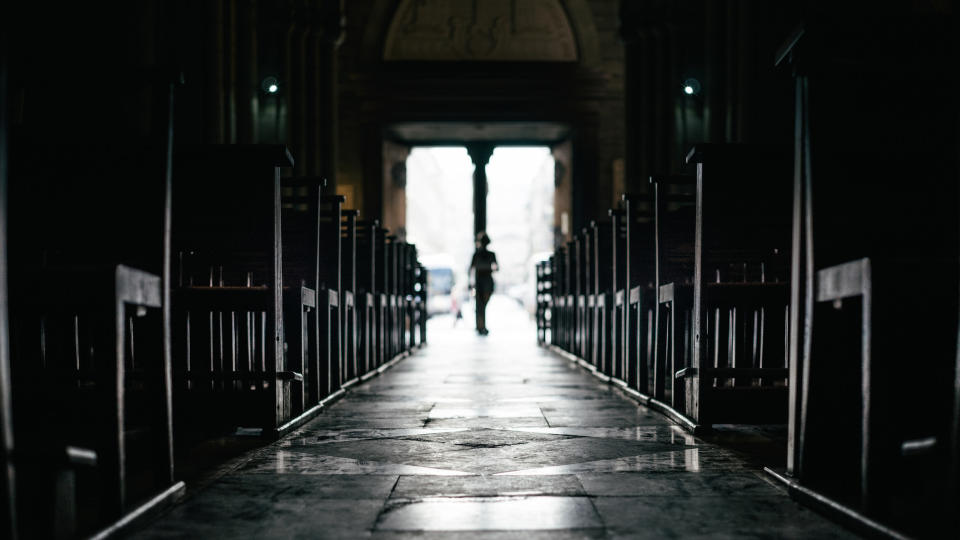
744	198
367	233
300	207
348	239
227	208
331	247
675	201
639	242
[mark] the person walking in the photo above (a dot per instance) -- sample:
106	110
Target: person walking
483	265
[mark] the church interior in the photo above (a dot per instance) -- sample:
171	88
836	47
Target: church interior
746	325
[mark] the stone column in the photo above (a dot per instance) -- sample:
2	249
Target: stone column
480	155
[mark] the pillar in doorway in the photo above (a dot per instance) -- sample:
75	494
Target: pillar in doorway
480	155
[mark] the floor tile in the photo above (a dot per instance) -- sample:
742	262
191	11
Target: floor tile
492	514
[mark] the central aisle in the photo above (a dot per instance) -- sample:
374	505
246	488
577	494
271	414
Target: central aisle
492	438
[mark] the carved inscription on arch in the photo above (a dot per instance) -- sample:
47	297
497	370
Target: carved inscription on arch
484	30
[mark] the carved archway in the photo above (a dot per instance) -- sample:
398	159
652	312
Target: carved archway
481	30
475	30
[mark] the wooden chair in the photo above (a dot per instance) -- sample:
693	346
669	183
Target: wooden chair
89	357
740	292
300	218
635	367
559	294
421	303
409	293
619	290
98	388
674	237
349	295
230	367
544	313
874	411
601	273
367	307
329	285
381	300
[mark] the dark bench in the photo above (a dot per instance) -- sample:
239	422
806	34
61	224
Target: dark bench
875	407
229	366
601	286
352	367
89	334
381	299
567	297
738	369
639	295
544	313
367	295
329	287
618	291
675	226
420	304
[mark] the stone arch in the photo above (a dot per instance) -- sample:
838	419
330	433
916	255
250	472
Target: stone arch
471	30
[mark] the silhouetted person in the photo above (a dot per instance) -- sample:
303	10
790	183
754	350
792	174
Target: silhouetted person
483	264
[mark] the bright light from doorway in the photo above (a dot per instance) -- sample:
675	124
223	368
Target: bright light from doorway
439	220
520	216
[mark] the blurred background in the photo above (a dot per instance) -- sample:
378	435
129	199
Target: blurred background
520	221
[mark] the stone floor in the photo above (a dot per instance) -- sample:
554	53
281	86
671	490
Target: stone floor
490	438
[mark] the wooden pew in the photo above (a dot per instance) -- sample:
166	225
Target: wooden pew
674	237
230	366
580	291
619	290
639	275
545	312
602	286
576	302
403	298
391	322
92	399
740	293
382	297
367	306
89	247
558	296
329	288
568	303
349	295
300	218
410	295
421	304
873	392
89	342
407	259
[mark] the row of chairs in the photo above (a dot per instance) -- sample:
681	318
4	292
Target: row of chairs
816	288
283	298
682	296
210	297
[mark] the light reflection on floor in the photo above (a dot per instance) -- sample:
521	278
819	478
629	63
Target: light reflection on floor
490	436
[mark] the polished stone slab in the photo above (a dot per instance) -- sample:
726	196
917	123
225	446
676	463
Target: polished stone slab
712	517
491	514
678	484
422	487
